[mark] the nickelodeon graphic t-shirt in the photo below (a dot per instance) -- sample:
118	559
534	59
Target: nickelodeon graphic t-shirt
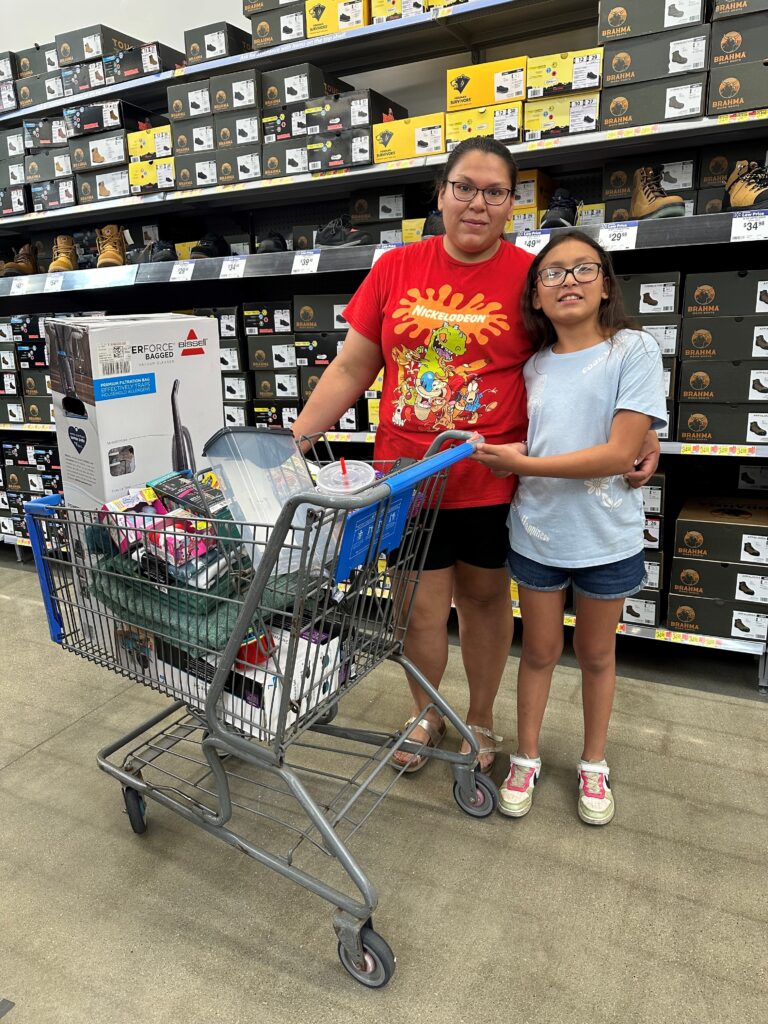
454	348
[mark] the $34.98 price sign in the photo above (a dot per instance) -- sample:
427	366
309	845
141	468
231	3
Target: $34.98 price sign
749	226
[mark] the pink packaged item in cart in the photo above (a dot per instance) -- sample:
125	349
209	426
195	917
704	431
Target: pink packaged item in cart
178	538
129	517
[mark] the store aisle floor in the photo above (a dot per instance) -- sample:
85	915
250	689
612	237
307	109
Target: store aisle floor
662	916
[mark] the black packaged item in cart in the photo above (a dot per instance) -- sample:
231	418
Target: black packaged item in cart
80	78
286	122
300	82
53	195
238	91
191	99
92	152
743	87
48	164
37	60
641	17
654	102
648	58
15	200
237	129
89	43
726	293
725	338
39	89
42	132
243	163
281	159
109	116
140	61
335	150
195	136
209	42
286	24
356	109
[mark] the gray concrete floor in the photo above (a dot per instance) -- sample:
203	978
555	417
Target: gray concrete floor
662	916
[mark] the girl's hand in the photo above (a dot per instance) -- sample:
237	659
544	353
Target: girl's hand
502	459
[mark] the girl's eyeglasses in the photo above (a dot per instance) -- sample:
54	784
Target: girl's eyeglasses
465	192
582	273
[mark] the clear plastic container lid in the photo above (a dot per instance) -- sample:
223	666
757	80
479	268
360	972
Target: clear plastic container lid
345	477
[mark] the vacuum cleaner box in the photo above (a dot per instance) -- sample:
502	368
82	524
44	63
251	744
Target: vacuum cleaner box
133	399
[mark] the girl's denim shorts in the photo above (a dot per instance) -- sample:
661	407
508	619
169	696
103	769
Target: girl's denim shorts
604	582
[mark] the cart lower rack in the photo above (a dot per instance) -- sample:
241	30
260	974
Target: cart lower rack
257	631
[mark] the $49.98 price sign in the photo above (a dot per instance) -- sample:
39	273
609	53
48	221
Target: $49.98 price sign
749	226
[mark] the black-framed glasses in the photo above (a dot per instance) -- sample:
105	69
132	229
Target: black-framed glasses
465	193
582	273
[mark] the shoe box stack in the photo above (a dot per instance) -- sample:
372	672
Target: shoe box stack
14	193
25	393
719	579
28	469
723	389
644	608
738	79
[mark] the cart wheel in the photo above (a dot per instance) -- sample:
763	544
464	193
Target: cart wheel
486	798
329	715
379	960
137	813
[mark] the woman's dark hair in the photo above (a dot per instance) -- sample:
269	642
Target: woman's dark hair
611	316
481	144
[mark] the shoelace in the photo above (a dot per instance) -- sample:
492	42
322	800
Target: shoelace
593	784
652	185
519	776
756	175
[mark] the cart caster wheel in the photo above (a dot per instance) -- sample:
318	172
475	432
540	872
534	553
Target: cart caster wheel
379	960
486	799
329	715
136	810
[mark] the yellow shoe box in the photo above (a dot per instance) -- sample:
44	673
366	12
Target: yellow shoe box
336	16
374	406
413	229
524	218
561	115
152	175
184	249
591	213
534	188
482	85
410	137
150	144
503	122
558	73
394	10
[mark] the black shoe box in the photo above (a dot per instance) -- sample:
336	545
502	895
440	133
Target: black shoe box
9	68
288	24
724	338
38	134
654	569
53	195
642	609
308	379
283	158
39	89
36	383
357	109
335	150
275	352
237	129
665	328
650	293
282	413
15	480
79	78
237	414
37	60
652	57
744	380
716	617
7	354
10	385
271	384
103	186
191	99
709	200
267	318
251	7
320	312
15	200
28	327
12	172
38	410
654	102
732	529
678	172
300	82
304	236
243	163
286	122
717	163
228	318
318	348
12	143
235	387
91	42
730	581
11	410
229	357
92	152
209	42
730	8
8	98
238	91
653	532
43	483
194	136
109	116
140	61
389	232
739	40
726	293
713	423
48	164
670	377
642	17
43	458
743	87
32	355
667	432
198	170
376	206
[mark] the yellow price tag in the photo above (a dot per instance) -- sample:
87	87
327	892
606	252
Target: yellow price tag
686	449
678	638
661	634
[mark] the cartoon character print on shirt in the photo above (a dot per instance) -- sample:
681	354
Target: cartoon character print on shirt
437	388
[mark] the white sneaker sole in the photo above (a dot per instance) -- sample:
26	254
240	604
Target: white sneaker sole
596	821
509	813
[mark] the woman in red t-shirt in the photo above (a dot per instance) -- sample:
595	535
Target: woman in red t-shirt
443	319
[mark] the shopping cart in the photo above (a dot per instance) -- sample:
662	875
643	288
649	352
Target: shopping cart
257	651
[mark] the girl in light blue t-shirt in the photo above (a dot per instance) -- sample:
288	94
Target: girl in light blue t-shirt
595	387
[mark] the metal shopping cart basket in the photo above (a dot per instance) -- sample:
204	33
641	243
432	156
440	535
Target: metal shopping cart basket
256	649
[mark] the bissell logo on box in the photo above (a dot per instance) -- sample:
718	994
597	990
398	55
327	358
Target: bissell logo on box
193	345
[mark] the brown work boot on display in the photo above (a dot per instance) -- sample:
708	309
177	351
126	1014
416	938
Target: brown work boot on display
111	245
25	262
649	200
747	187
64	255
96	156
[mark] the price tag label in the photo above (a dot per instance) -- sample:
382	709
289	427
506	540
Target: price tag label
532	241
183	270
232	267
20	285
749	226
379	251
618	236
53	283
306	261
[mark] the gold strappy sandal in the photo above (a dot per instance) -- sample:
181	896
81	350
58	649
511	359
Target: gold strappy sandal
417	761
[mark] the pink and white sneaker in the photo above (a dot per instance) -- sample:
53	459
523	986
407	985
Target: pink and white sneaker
596	803
516	791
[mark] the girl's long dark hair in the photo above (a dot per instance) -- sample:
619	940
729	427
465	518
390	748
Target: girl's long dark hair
611	316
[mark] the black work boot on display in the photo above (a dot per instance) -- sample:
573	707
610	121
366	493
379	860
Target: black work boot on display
339	233
210	247
563	210
274	242
433	225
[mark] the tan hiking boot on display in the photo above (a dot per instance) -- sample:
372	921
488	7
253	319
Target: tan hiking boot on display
96	156
747	187
24	263
103	190
111	246
649	200
64	255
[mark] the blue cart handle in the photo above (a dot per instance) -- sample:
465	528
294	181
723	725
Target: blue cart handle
33	509
432	464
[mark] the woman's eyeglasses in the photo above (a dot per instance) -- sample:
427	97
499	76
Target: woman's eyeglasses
582	273
465	193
